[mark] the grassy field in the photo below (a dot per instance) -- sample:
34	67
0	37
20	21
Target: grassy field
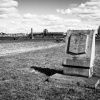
13	47
19	80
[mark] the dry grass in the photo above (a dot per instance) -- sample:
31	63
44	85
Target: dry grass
19	80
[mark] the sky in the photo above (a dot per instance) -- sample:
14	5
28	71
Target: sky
55	15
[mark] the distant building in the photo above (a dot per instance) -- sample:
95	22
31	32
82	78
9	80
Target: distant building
2	33
45	31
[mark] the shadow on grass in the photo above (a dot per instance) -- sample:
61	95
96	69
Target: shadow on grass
47	71
95	75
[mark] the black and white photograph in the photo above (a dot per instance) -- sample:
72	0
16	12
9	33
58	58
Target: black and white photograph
49	49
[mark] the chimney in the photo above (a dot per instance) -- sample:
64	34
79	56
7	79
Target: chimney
31	33
31	30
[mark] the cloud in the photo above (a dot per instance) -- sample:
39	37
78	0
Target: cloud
8	9
8	3
29	16
23	23
38	23
42	20
52	22
89	11
3	16
51	17
73	5
63	11
42	17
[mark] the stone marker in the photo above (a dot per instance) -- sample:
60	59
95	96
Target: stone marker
80	53
64	80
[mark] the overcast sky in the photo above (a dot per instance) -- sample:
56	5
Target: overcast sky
55	15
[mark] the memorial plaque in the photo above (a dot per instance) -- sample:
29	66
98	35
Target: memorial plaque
80	52
78	43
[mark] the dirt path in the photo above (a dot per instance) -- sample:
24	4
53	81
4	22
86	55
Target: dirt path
27	49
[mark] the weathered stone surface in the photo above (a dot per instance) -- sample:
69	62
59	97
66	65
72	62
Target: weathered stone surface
80	52
77	43
92	82
78	71
77	62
